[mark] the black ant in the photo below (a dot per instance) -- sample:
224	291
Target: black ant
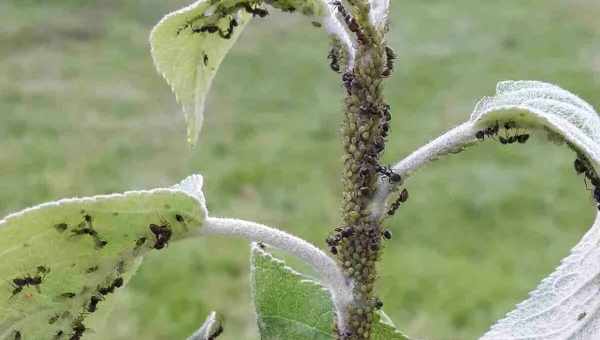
28	280
214	28
403	197
86	228
205	60
17	335
162	234
581	316
261	245
488	132
58	334
389	173
334	56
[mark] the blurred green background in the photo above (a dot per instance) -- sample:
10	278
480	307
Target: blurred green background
83	112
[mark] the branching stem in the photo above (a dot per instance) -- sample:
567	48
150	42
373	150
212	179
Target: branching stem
325	266
452	141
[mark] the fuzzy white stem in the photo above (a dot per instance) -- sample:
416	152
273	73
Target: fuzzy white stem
452	141
328	270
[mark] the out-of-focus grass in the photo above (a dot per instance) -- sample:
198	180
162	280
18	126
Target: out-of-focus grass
83	112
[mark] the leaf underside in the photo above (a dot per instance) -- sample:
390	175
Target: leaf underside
61	262
566	304
292	306
541	105
189	45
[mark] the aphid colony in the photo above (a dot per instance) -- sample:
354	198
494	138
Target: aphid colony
86	228
341	233
492	131
350	21
162	234
582	166
221	13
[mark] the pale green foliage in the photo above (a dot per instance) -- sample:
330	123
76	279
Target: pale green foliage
77	247
542	105
187	60
566	304
292	306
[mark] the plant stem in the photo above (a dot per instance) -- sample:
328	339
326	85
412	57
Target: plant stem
324	265
452	141
358	241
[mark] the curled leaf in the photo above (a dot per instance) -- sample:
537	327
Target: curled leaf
61	262
189	45
541	105
566	304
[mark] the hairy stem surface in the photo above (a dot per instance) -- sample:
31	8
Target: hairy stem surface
357	242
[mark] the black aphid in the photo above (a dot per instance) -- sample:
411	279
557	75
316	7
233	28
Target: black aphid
387	234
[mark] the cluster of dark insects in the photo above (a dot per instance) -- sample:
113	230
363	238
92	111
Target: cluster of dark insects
20	283
215	28
492	131
103	291
162	233
402	197
334	59
86	228
389	173
223	12
582	166
334	240
350	21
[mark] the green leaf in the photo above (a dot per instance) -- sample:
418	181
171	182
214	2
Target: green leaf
62	261
292	306
188	60
189	45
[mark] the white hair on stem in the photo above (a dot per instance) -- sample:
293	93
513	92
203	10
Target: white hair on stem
326	267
